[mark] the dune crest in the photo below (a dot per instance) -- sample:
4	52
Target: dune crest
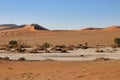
8	26
26	27
91	28
112	28
34	27
29	27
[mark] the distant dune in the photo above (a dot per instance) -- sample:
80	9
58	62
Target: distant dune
34	27
14	27
112	28
106	28
8	26
35	34
90	28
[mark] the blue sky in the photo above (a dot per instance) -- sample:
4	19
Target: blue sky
61	14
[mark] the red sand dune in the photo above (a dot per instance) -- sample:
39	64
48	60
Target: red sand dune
106	28
29	27
37	35
112	28
90	28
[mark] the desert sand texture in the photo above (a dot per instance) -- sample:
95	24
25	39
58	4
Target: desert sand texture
61	70
32	36
55	70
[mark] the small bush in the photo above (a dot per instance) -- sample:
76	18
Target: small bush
102	59
21	59
20	50
99	51
46	45
49	60
71	47
0	58
6	58
12	42
84	47
80	45
117	41
64	51
81	55
58	49
86	44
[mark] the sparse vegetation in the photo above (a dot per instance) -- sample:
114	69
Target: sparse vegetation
71	47
80	45
81	55
99	50
45	46
85	46
13	44
6	58
17	46
64	51
62	48
34	51
23	44
21	59
20	49
117	41
102	59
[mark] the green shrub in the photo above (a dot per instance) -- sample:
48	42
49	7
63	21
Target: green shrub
13	44
17	45
46	45
117	41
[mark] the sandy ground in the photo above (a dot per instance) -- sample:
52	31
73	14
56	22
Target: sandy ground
53	70
94	37
70	66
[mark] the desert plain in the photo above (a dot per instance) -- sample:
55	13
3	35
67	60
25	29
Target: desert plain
55	70
32	36
78	64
